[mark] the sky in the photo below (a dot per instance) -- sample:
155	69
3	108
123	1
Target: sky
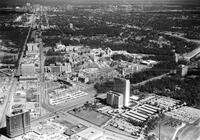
19	2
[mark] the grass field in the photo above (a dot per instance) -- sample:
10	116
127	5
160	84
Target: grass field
91	116
118	131
166	130
190	132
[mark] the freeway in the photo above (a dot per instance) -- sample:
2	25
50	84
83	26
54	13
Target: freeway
8	100
149	80
191	54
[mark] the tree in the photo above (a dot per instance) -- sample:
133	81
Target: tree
151	137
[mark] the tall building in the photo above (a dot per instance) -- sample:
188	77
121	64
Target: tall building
122	86
28	69
18	123
109	99
115	99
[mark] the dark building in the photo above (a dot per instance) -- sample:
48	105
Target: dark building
115	99
198	64
18	123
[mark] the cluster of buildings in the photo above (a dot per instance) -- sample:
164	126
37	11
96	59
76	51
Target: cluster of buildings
141	113
90	65
30	65
59	68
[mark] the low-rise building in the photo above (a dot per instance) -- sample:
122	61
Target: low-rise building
33	47
182	70
63	96
66	67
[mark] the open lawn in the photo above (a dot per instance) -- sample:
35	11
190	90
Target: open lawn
91	116
190	132
167	128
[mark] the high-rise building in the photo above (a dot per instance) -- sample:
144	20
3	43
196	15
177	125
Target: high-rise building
117	100
28	69
18	123
114	99
109	99
123	86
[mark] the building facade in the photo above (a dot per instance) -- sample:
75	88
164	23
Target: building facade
115	99
122	86
33	47
18	123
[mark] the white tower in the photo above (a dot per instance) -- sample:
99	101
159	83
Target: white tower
123	86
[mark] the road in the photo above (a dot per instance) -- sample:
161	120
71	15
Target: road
149	80
177	129
9	98
191	54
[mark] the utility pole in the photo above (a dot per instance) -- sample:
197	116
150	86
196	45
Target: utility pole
159	130
41	75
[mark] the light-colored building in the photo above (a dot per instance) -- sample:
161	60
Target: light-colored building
67	68
59	68
71	26
62	96
128	70
134	97
183	70
33	47
123	86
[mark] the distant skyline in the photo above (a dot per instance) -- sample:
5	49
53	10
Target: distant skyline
20	2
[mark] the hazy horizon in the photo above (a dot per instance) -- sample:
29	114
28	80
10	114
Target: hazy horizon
174	2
